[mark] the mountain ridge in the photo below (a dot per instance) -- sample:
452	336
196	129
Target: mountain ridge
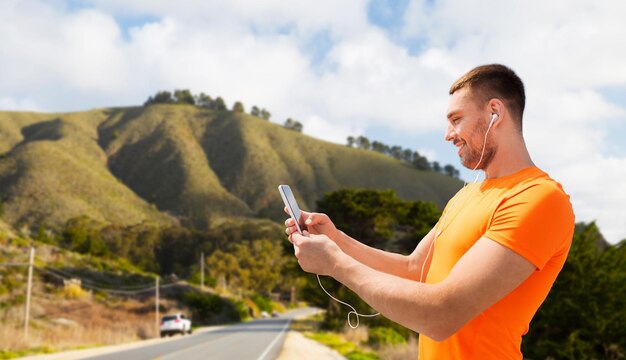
180	163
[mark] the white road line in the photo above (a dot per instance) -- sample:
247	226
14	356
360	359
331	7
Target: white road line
269	347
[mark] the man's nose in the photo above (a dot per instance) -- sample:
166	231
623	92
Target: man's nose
450	133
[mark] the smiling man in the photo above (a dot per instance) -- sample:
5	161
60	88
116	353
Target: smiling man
473	284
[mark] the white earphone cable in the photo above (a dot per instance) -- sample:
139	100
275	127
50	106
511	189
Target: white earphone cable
439	228
348	305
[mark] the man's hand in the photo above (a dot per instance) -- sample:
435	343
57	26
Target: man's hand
315	223
316	254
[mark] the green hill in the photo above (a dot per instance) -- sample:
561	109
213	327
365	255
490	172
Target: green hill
167	163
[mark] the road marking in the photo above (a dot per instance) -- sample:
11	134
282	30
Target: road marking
269	347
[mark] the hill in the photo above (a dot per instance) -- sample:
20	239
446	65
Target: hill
179	163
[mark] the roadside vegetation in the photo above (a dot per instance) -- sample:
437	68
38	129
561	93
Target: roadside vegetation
362	343
83	300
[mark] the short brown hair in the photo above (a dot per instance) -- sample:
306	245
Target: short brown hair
495	81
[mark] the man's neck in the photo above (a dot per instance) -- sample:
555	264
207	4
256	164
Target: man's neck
509	159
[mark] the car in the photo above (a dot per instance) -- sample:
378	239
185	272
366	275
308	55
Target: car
275	314
264	315
175	324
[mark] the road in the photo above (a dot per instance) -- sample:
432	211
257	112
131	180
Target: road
255	340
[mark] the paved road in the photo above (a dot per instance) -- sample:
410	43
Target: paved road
255	340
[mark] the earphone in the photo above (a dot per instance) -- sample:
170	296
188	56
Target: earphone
439	229
494	117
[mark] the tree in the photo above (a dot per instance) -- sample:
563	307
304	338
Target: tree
163	97
81	235
420	162
378	146
265	114
184	96
238	107
449	170
255	111
224	265
362	142
407	155
583	316
250	265
204	101
292	124
261	260
350	140
219	104
396	152
436	166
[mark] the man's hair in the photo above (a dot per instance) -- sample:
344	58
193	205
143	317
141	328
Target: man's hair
495	81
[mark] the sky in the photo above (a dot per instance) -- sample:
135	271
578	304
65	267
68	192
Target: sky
381	69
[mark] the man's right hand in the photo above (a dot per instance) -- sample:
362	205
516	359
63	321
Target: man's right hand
314	223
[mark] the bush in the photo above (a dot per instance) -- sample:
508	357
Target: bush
74	291
204	306
239	311
277	306
212	309
262	303
384	336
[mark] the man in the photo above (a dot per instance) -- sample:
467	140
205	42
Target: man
475	281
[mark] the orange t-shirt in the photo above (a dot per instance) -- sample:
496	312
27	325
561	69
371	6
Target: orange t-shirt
527	212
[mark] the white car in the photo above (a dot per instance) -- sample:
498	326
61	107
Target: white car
175	324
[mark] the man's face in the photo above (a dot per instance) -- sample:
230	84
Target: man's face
467	126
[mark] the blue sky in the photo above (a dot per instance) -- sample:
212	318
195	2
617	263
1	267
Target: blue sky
377	68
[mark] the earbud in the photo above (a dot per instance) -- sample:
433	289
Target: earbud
494	117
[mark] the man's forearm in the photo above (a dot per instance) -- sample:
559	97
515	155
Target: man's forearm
417	306
387	262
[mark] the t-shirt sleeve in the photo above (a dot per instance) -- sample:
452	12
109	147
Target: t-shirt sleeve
535	223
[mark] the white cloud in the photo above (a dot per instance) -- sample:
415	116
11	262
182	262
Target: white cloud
18	104
337	133
57	58
567	52
597	189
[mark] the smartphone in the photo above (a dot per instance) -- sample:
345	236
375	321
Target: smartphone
291	204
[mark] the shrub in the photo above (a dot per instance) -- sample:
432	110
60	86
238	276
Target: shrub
204	306
74	291
262	303
384	336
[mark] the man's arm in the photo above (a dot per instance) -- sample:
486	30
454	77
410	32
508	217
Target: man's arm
408	267
483	276
404	266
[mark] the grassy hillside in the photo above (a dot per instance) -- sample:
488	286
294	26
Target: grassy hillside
53	169
165	162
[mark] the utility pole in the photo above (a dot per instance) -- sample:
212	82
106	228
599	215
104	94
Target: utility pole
202	272
28	290
156	305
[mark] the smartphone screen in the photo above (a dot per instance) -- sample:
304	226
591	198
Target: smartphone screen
291	204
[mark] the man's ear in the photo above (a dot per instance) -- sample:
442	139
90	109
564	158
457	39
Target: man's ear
497	109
